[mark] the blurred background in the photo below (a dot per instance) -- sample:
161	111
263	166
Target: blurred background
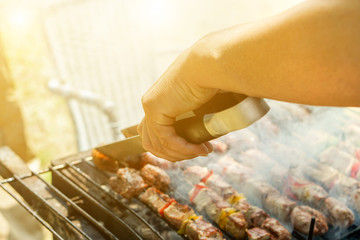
72	72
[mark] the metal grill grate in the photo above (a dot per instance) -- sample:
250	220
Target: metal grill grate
80	205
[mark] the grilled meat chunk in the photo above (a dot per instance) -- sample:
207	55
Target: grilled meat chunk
258	190
308	192
338	159
239	202
338	214
215	204
194	174
256	159
219	185
255	216
278	175
155	199
279	206
349	147
128	182
233	222
235	171
200	197
177	213
301	218
155	176
199	229
258	234
320	173
355	199
274	227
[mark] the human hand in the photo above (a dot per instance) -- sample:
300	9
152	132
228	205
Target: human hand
176	92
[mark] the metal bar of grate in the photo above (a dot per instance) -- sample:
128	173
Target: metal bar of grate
58	215
350	233
76	207
47	170
115	220
109	193
32	212
91	167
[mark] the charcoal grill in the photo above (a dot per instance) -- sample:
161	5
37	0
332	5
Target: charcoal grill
78	204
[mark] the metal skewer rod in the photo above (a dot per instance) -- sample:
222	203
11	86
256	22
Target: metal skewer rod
311	230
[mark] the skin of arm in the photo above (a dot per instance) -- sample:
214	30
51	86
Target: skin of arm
309	54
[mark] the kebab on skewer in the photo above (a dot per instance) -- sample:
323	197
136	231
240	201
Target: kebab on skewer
338	184
217	208
295	185
279	206
350	148
341	160
298	188
310	193
129	183
230	220
346	189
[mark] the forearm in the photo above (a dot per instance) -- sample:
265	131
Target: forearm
309	54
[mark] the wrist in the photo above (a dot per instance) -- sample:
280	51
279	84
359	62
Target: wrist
207	58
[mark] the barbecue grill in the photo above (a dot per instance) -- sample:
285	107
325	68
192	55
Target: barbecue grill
79	203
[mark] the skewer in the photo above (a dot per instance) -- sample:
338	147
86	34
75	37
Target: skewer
311	230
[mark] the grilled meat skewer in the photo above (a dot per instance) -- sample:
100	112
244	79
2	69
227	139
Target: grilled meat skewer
266	195
129	183
258	234
155	176
338	213
338	184
296	187
341	160
220	211
255	216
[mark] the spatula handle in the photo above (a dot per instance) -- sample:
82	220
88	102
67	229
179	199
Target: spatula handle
221	115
